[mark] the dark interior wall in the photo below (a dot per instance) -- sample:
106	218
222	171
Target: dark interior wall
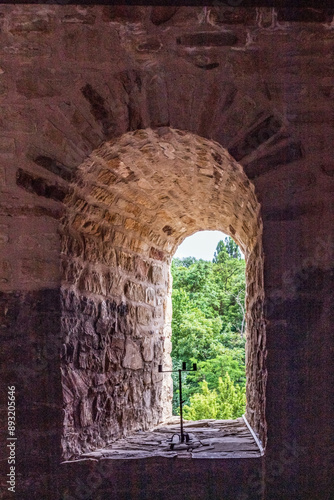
300	358
263	91
30	335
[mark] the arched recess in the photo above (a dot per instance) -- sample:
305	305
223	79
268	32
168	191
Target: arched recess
132	203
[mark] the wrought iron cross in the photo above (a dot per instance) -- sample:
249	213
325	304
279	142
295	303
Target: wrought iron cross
183	436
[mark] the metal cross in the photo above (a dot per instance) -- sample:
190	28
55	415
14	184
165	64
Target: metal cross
183	435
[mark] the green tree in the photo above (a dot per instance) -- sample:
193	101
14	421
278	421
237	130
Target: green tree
196	336
202	405
226	248
208	320
231	361
226	402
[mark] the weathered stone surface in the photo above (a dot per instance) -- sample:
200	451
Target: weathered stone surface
160	15
40	186
148	348
5	271
306	15
54	166
144	315
4	234
135	291
156	275
208	439
288	153
166	185
7	145
208	39
31	87
232	15
257	136
150	45
122	13
132	358
140	272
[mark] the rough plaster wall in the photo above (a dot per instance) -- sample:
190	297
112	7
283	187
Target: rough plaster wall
133	201
264	91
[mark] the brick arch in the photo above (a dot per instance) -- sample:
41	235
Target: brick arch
133	201
102	106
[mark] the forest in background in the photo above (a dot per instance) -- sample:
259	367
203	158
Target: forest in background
208	328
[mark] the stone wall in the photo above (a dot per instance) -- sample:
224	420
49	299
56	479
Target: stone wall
257	83
134	199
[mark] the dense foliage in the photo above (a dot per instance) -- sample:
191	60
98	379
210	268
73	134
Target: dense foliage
227	401
208	328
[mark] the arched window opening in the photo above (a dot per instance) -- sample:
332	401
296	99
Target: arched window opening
133	201
208	326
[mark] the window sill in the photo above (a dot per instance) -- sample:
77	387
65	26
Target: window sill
217	439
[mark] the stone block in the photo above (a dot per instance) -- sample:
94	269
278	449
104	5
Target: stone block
113	218
90	281
119	239
137	245
71	270
147	398
40	186
208	39
158	312
144	315
168	310
108	254
156	275
118	343
168	346
232	15
79	18
135	291
150	296
85	413
151	44
125	261
123	14
93	249
104	326
306	15
141	268
133	358
106	177
101	195
160	15
148	348
128	207
22	24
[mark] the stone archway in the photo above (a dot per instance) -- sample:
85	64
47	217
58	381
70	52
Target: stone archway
132	203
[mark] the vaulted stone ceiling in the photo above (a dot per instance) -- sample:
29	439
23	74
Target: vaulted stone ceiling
130	205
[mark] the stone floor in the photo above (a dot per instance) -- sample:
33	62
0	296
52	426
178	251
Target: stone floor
209	439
